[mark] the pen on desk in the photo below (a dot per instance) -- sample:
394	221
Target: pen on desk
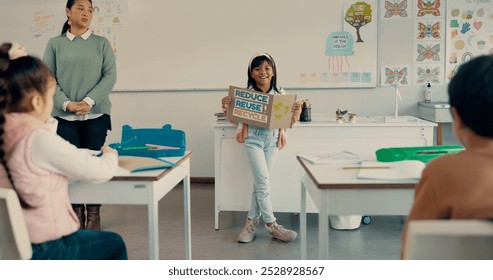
366	167
137	148
161	147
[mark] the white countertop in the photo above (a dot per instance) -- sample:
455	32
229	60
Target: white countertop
361	121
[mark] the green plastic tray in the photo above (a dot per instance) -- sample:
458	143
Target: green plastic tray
424	154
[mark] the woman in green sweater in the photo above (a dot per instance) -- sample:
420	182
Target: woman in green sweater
84	66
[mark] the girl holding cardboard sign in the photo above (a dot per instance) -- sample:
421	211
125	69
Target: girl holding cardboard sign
262	145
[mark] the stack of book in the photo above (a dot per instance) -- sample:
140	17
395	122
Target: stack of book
220	116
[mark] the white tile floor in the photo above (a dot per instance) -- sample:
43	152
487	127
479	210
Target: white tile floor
380	240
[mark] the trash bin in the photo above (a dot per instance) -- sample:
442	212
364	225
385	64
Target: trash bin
345	222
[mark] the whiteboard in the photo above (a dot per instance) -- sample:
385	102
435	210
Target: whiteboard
206	45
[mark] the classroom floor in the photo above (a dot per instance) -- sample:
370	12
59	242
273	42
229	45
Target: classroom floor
380	240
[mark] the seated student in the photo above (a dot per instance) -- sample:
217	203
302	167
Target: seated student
460	186
37	163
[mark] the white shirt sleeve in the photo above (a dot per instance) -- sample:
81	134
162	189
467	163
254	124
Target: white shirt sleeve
89	101
64	105
55	154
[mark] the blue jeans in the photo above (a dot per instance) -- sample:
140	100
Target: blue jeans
83	245
261	149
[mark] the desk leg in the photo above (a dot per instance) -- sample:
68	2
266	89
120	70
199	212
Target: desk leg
323	230
303	222
439	133
216	205
152	210
186	214
216	219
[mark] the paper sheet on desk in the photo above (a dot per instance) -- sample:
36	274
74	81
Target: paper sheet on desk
397	170
120	171
330	157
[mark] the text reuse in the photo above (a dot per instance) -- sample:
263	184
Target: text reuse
248	105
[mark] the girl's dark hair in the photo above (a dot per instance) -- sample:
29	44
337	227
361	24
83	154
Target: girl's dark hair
19	79
256	62
471	93
66	25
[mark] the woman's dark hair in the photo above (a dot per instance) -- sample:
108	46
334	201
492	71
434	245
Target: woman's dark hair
471	94
19	79
69	5
256	62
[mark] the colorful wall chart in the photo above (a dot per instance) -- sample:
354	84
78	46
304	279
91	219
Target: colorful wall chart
469	31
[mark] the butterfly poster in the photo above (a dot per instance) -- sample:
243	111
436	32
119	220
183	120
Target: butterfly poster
395	74
428	73
429	29
429	52
429	9
395	9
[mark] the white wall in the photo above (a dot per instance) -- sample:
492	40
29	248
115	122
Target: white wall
193	112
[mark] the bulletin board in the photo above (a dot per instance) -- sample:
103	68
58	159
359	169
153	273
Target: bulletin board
204	45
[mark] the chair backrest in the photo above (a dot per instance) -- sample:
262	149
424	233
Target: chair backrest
449	240
14	238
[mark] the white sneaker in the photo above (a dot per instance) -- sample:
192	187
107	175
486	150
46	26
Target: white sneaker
280	233
248	232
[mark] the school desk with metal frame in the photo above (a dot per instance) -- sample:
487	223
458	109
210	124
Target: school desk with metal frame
338	191
143	188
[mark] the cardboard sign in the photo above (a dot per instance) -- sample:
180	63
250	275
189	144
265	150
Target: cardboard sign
260	109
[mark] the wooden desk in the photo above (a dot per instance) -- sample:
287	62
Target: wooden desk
143	188
339	192
233	183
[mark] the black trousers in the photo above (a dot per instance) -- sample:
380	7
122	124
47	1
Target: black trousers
89	134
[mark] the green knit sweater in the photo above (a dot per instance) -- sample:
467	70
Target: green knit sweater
82	68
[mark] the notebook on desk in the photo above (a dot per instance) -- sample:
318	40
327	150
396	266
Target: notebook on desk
139	164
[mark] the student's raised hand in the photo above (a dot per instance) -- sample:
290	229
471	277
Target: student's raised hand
225	103
108	149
